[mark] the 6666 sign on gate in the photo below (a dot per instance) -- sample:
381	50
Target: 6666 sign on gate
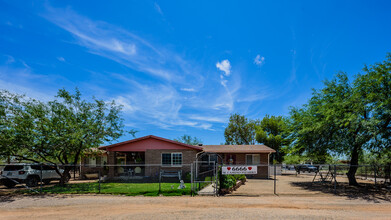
226	170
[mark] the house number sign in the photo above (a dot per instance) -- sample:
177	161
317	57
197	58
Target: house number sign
226	170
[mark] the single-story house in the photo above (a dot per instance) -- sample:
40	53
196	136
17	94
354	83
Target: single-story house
244	155
153	151
145	156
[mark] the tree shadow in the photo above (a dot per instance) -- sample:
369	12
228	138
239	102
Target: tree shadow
366	191
11	197
6	198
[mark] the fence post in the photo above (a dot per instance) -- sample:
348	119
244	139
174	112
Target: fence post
216	177
375	171
389	173
99	179
74	172
366	174
160	179
191	179
40	189
335	179
275	178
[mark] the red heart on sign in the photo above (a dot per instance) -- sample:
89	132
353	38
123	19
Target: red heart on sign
228	168
249	168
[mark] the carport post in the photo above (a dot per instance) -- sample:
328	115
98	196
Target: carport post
275	178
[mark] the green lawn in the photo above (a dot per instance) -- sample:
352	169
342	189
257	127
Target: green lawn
130	189
203	185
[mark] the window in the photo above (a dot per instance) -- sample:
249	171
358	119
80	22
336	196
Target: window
13	167
176	159
166	159
172	159
253	159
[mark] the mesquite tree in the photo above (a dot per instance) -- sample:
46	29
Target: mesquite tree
56	132
187	139
240	130
347	117
273	132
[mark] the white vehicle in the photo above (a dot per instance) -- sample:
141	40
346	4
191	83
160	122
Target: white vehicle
30	174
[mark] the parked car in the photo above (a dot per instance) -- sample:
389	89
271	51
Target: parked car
306	167
30	174
291	167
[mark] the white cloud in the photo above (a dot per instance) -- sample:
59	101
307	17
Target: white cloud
224	82
188	89
252	98
62	59
177	88
127	107
25	90
21	80
10	59
209	118
224	66
158	9
259	60
120	45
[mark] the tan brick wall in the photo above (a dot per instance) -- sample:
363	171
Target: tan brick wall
262	171
155	157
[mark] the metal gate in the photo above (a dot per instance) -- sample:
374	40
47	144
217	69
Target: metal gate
205	172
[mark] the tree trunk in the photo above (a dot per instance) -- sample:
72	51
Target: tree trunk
353	167
65	176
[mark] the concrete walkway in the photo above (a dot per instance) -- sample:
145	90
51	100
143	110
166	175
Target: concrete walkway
208	190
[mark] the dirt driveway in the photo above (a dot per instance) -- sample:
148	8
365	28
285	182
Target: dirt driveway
123	207
302	185
296	200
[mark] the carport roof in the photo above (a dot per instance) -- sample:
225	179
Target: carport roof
237	149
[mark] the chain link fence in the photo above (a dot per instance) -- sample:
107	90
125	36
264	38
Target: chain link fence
373	181
197	178
137	179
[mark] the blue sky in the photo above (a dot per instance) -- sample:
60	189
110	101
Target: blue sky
182	67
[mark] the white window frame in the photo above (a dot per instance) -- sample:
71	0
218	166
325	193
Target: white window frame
252	159
171	165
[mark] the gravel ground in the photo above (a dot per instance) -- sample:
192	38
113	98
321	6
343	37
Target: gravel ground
254	200
227	207
302	185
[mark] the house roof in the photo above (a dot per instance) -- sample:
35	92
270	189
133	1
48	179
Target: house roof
147	137
237	149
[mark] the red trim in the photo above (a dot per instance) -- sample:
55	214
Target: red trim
146	137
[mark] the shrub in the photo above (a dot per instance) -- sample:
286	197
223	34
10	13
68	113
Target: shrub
227	181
